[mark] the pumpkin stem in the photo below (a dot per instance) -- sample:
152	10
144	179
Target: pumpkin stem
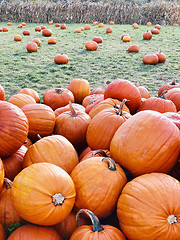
7	183
172	219
99	151
73	112
173	82
137	84
111	163
95	221
58	90
39	136
119	111
58	199
162	94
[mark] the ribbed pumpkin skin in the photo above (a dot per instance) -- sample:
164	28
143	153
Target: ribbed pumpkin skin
175	117
147	142
13	128
2	233
96	153
21	99
121	89
92	104
33	232
31	92
158	104
14	163
168	86
97	187
103	127
145	205
54	149
1	174
91	98
105	104
2	93
32	192
8	214
41	119
76	106
144	92
174	96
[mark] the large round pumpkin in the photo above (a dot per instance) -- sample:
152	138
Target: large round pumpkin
13	128
98	182
147	142
149	208
54	149
21	99
43	194
34	232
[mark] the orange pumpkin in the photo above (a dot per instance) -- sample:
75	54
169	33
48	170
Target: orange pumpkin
175	25
133	48
1	174
46	32
174	96
15	128
20	26
37	41
143	91
80	89
87	27
43	194
89	178
111	23
61	153
57	25
61	59
21	99
32	47
63	26
58	97
76	106
91	46
38	29
95	23
43	27
52	40
147	35
2	93
84	152
78	30
26	32
168	86
31	92
93	103
17	38
23	24
101	25
35	232
154	31
135	25
152	144
149	24
157	26
126	38
96	153
161	57
90	99
50	22
99	90
150	195
82	29
5	29
109	30
150	59
96	231
97	39
9	24
41	119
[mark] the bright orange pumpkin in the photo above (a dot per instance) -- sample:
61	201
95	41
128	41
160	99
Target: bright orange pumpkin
61	59
32	47
52	40
76	106
37	41
38	29
174	96
46	32
31	92
21	99
168	86
87	27
144	92
17	38
91	46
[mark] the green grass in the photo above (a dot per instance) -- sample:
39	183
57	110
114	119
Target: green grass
20	69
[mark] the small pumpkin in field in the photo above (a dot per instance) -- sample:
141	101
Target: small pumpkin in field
161	57
37	41
111	23
52	40
154	31
175	25
133	48
78	30
108	30
50	22
126	38
150	195
43	194
125	34
147	35
5	29
87	27
57	25
43	27
82	29
149	24
31	92
0	29
96	231
9	24
38	29
23	24
144	92
17	38
135	25
32	47
101	25
168	86
26	32
95	23
20	26
150	59
157	26
97	39
91	46
61	59
63	26
46	32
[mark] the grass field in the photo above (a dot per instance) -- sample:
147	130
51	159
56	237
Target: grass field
20	69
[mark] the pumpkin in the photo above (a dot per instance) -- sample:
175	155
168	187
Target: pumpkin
41	119
2	233
95	181
43	194
76	106
168	86
175	118
161	57
78	30
31	92
121	89
21	99
82	29
108	30
32	47
84	152
106	104
159	104
37	41
125	34
46	32
57	25
17	38
14	163
175	25
52	40
143	91
8	214
26	32
101	25
50	22
111	23
9	24
2	93
91	46
133	48
157	26
154	31
43	27
174	96
73	125
58	97
135	25
99	90
147	35
126	38
0	29
147	210
38	29
95	23
150	59
103	126
63	26
1	174
23	24
96	153
5	29
87	27
94	102
97	39
35	232
61	59
80	89
90	99
152	144
14	128
149	24
54	149
20	26
96	231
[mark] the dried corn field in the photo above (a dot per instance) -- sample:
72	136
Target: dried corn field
165	13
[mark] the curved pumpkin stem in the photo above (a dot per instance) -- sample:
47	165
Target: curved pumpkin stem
7	183
172	219
58	90
111	163
119	112
95	221
58	199
162	94
73	112
99	151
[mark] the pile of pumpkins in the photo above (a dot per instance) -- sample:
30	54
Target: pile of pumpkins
105	159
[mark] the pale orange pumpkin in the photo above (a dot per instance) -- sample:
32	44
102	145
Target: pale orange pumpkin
32	47
17	38
21	99
61	59
52	40
37	41
31	92
76	106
